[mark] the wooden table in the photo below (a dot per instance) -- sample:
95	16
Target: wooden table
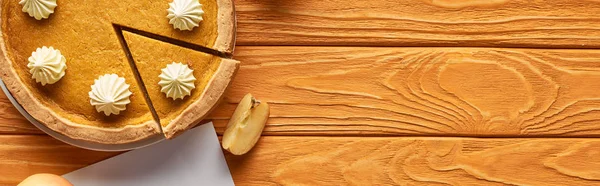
417	92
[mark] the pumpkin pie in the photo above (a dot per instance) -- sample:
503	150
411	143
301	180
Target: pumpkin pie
89	36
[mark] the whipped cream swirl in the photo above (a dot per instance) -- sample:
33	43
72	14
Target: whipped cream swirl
177	80
38	9
110	94
47	65
185	14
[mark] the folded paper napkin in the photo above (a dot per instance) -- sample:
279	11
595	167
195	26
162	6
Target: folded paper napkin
194	158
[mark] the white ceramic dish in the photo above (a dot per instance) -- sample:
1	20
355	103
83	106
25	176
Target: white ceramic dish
79	143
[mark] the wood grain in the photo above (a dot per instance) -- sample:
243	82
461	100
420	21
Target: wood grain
497	23
417	161
342	94
420	91
24	155
280	160
412	91
11	121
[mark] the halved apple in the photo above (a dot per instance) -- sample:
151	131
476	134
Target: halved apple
245	126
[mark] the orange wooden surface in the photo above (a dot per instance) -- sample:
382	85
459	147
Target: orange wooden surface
421	92
468	23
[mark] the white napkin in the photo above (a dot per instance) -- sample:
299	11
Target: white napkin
194	158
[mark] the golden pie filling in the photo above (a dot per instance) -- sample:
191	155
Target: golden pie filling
149	65
91	48
142	15
87	35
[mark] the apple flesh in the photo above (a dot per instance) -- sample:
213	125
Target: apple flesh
245	126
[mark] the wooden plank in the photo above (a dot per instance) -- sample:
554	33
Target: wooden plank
11	121
413	91
420	91
497	23
417	161
355	160
24	155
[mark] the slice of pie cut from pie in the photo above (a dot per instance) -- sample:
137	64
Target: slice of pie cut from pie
85	34
212	73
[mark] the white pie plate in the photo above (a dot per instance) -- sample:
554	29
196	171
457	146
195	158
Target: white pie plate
80	143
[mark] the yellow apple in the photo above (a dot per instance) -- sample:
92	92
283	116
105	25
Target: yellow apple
245	126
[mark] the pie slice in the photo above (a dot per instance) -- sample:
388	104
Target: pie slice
212	73
88	35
